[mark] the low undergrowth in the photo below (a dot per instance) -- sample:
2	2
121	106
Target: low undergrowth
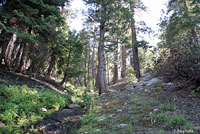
21	106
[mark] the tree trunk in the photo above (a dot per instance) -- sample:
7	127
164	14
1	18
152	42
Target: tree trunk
88	67
18	57
108	74
79	80
7	51
85	74
115	76
101	65
24	58
52	64
64	79
123	71
134	45
93	62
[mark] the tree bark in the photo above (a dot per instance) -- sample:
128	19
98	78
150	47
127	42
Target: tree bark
85	74
93	62
134	45
52	64
101	65
123	71
108	74
115	76
64	79
79	80
7	51
24	58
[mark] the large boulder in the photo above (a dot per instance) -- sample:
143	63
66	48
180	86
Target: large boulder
154	80
147	76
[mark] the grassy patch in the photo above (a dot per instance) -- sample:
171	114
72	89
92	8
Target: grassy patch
158	84
176	120
160	132
168	107
134	99
158	117
153	102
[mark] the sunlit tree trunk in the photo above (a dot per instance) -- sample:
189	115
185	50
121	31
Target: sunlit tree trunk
24	59
93	63
102	63
89	66
8	50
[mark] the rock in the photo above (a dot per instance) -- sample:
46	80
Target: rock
139	84
2	124
72	106
122	125
101	118
43	109
147	76
155	110
154	80
169	84
98	130
197	128
146	91
119	110
111	115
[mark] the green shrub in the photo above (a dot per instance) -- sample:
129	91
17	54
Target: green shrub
189	126
159	117
176	120
180	60
21	106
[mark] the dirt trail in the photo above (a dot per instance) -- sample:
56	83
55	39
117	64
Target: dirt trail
154	109
66	121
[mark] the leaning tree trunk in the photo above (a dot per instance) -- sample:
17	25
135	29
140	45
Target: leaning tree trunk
115	76
102	66
123	71
134	45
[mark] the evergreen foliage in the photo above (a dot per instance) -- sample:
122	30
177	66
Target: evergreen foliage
180	41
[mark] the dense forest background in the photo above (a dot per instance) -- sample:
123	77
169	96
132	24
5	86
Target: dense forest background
35	39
